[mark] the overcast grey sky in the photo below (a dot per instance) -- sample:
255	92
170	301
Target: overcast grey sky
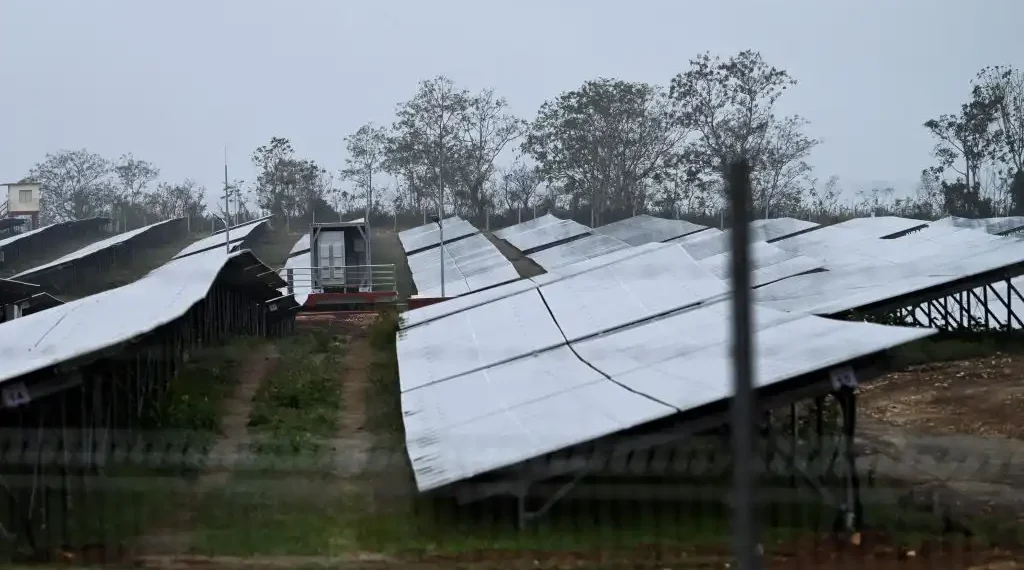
175	81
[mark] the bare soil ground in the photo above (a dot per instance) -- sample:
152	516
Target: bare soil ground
953	432
980	397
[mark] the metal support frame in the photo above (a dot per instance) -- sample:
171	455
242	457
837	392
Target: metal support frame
986	302
519	482
78	423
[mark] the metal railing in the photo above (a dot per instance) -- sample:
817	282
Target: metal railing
343	278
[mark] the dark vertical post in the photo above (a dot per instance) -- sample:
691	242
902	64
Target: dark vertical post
745	542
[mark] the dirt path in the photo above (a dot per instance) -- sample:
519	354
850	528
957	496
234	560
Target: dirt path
173	537
233	441
354	442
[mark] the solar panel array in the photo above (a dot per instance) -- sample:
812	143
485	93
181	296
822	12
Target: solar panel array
613	337
777	228
429	235
237	236
96	247
642	229
586	247
500	380
541	232
298	271
9	241
470	264
85	326
995	226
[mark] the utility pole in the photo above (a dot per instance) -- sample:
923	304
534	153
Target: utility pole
366	219
440	188
227	205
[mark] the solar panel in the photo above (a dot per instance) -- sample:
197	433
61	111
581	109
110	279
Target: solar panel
539	232
237	235
847	288
777	228
695	237
100	321
583	406
881	226
546	401
8	241
643	229
636	288
96	247
299	264
713	242
584	248
12	290
475	338
995	226
470	264
767	262
475	299
428	235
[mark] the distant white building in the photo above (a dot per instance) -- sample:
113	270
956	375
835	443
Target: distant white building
21	201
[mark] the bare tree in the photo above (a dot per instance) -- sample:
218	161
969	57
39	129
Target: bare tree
731	104
133	178
74	185
366	155
425	145
487	129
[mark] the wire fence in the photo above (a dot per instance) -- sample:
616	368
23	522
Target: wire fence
763	490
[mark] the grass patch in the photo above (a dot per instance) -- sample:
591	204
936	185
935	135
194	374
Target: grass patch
383	398
251	517
387	250
298	405
129	493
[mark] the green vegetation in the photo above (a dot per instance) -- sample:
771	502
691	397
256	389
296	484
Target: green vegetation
387	250
296	408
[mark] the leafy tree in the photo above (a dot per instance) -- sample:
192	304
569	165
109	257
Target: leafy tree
365	159
75	185
486	130
288	186
425	145
517	185
604	142
185	199
965	140
133	176
1003	88
731	105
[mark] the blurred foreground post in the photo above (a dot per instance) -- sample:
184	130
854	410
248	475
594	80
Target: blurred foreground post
745	532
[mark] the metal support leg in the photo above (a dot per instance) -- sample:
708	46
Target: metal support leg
852	510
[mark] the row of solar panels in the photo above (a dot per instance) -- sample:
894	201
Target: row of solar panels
20	290
501	376
471	262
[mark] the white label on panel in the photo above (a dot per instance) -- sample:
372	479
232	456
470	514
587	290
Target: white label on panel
843	376
14	394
